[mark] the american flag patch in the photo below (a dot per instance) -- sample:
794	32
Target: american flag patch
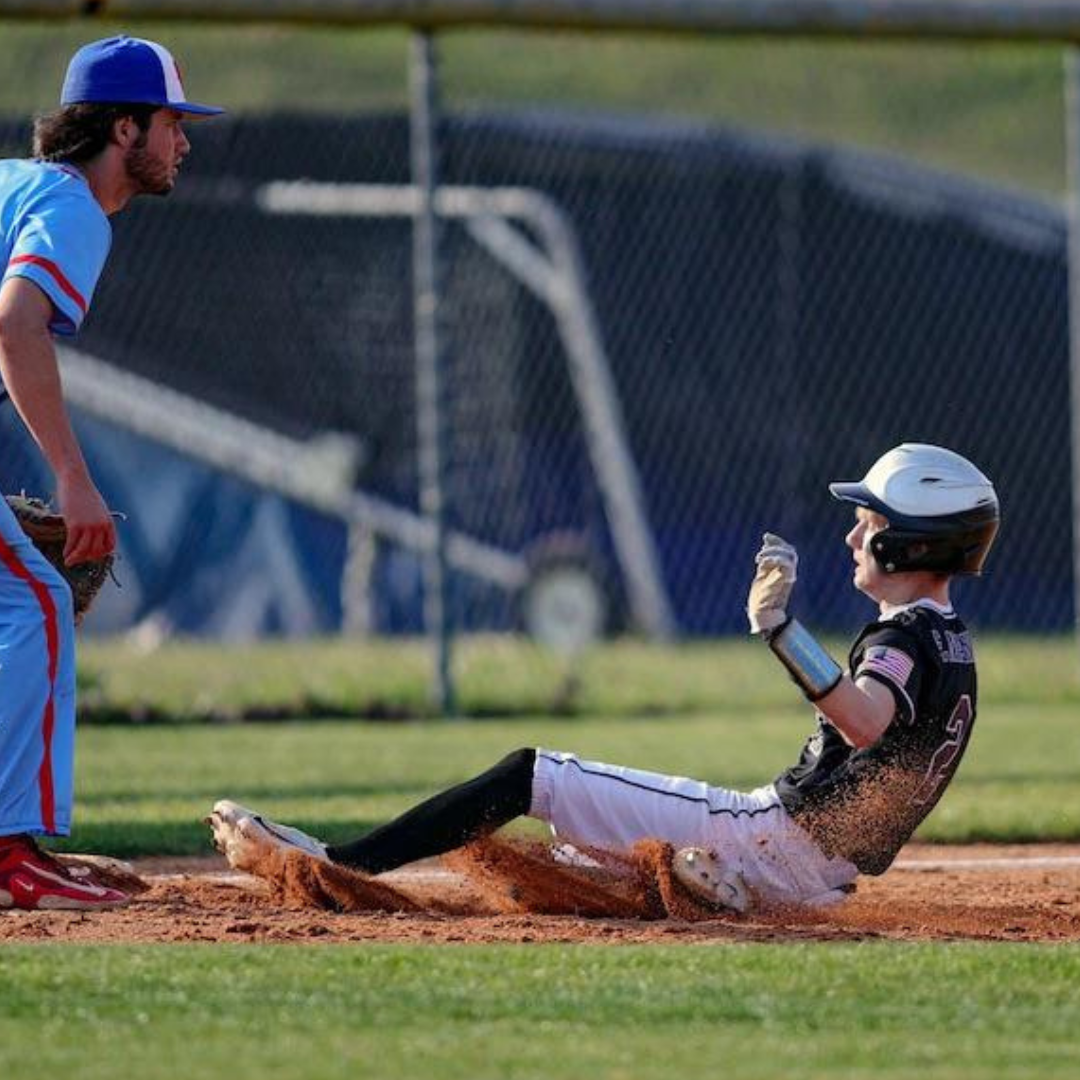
894	664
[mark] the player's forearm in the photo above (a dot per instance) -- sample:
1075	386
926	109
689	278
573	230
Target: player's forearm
860	711
31	374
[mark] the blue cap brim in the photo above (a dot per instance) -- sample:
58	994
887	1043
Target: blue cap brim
193	108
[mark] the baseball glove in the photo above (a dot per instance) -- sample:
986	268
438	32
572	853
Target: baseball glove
47	530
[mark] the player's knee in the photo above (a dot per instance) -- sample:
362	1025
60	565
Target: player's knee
508	784
518	764
62	601
49	600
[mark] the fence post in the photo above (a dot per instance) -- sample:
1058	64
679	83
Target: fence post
430	376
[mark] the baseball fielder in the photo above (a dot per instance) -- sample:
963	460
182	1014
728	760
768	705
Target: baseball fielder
117	134
890	730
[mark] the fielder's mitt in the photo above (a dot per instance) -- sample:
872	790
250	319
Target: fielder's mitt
47	530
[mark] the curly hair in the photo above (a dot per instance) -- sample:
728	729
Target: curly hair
77	133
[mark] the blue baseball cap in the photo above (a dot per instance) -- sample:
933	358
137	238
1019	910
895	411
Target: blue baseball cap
128	71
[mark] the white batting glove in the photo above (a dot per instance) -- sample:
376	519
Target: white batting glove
777	570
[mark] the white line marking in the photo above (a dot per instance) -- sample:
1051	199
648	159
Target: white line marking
225	877
238	877
1038	862
433	875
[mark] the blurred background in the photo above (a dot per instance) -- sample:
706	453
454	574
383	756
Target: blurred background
688	283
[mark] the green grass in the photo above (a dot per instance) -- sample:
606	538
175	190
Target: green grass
720	711
500	676
991	111
851	1011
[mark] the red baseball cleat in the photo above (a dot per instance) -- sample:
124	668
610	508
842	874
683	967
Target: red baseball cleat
32	879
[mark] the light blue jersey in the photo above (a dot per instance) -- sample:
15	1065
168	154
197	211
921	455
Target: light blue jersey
54	233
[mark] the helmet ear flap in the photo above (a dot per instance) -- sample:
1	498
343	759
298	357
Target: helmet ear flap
897	550
956	545
887	551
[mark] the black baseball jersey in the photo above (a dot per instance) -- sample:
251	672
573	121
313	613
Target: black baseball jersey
863	805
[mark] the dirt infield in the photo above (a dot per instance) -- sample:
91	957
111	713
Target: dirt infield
1029	893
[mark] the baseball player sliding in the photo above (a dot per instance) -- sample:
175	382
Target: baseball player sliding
117	134
890	730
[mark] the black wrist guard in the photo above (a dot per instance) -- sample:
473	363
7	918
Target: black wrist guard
815	672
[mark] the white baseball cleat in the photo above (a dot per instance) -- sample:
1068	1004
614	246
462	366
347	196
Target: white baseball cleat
704	876
242	836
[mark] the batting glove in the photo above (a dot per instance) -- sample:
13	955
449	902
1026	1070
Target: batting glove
777	565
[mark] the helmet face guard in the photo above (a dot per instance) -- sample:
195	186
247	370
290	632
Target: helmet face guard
954	536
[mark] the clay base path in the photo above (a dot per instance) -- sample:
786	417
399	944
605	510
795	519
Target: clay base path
982	893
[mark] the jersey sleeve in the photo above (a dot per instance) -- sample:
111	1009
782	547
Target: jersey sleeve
891	657
62	247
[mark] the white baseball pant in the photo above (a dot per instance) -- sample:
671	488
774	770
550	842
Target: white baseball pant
612	807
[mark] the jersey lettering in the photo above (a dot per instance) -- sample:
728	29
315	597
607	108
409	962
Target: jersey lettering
940	767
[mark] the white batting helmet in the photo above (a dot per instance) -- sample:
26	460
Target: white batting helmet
943	512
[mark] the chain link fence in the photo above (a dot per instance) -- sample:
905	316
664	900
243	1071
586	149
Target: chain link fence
767	313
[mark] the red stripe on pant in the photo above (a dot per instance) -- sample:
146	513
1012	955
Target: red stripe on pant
52	642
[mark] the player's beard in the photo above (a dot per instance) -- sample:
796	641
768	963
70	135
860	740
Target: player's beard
151	175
